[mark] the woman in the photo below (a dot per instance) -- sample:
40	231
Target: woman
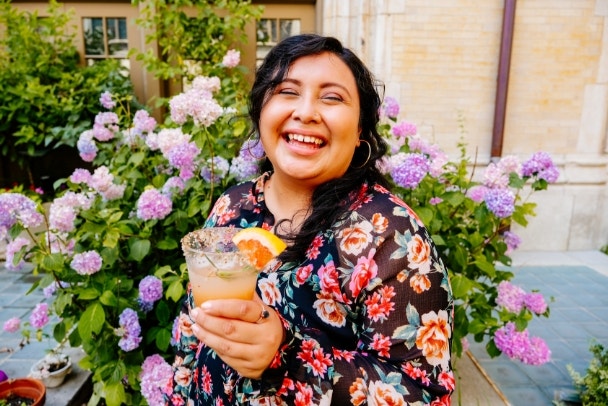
359	308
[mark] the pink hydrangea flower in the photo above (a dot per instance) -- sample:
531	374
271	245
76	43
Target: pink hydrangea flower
12	325
232	58
153	205
40	316
87	263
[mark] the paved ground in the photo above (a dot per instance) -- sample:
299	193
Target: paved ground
576	280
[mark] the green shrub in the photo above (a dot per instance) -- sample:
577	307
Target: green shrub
593	386
48	99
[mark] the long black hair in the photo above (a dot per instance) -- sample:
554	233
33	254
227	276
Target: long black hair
329	200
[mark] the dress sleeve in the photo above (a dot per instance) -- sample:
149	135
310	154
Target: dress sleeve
393	291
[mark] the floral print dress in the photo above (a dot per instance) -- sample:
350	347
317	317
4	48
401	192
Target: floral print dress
368	314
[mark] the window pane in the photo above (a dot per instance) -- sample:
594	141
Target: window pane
116	30
289	28
267	31
93	36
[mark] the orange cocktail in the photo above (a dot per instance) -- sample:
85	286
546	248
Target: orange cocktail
216	268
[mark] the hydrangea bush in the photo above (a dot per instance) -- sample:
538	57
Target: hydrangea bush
110	255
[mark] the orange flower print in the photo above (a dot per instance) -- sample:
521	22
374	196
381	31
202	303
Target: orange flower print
420	282
382	394
365	270
220	206
269	288
329	310
433	338
185	325
357	392
419	252
183	376
379	222
354	239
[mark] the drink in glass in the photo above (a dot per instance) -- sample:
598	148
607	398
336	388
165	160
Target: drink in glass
216	268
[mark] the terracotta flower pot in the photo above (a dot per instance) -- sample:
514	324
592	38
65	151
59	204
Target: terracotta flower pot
24	387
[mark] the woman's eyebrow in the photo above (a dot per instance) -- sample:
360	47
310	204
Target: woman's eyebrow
323	85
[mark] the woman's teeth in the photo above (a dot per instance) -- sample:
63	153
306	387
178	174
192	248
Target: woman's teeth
304	138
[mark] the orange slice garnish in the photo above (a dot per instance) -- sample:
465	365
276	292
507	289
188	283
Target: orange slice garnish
259	245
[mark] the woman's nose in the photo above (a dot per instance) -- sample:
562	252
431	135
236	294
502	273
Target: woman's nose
306	110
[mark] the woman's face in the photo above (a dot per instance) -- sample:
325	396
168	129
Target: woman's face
310	125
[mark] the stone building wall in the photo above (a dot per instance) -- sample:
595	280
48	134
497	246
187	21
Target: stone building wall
440	60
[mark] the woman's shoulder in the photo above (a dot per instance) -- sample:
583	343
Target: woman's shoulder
374	200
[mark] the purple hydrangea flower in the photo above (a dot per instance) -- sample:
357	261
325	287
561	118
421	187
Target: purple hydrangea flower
143	122
129	330
150	291
541	165
153	205
252	150
197	102
510	296
477	193
172	185
40	316
12	325
243	169
500	201
105	126
15	207
87	263
519	346
86	146
404	129
435	200
512	240
80	175
156	378
182	157
106	100
409	169
12	248
390	107
220	166
535	302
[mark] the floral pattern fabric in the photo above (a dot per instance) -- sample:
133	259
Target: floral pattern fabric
368	314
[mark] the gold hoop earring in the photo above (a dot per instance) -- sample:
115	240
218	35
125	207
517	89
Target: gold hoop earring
369	154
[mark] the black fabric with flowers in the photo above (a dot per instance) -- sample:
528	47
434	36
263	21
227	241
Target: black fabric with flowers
368	314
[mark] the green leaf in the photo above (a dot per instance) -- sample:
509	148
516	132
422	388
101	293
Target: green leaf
91	321
175	291
88	293
108	298
461	285
162	312
115	394
139	249
163	340
53	262
425	214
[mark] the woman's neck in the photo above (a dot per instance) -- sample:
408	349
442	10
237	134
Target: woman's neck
287	201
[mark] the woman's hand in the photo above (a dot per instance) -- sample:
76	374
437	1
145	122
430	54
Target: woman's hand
237	331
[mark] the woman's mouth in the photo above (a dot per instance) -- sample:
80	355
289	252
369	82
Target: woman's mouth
308	140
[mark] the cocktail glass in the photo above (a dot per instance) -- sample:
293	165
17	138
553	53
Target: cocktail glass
216	268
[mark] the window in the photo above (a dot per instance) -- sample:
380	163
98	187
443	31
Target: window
272	30
105	37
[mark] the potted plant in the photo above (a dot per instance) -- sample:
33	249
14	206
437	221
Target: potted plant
52	369
22	391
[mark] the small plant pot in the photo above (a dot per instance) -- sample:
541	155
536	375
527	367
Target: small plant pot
51	379
13	390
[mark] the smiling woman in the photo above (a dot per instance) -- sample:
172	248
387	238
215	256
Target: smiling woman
359	305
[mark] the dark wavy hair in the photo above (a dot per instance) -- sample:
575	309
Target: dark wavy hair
329	200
